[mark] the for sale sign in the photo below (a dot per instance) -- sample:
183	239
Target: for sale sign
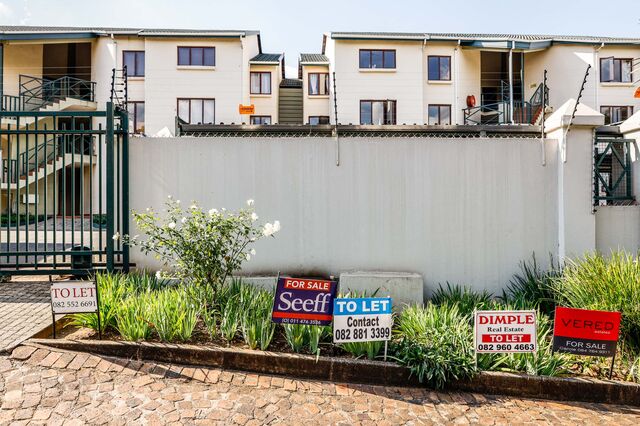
585	332
505	331
304	301
362	319
70	297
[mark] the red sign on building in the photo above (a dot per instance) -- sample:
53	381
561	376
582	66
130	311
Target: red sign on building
586	332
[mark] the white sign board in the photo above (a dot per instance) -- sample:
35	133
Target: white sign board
362	319
69	297
505	331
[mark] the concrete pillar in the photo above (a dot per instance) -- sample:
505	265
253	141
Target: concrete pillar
576	220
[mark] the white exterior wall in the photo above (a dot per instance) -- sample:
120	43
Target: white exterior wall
402	84
316	105
20	58
267	104
460	211
618	228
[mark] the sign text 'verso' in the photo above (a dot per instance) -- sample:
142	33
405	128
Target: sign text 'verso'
304	301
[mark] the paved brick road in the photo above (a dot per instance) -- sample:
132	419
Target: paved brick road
25	309
39	386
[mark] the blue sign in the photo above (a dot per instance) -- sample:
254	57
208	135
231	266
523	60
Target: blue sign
364	319
362	306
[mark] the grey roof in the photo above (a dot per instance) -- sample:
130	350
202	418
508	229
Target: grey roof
313	58
493	37
266	58
291	82
35	30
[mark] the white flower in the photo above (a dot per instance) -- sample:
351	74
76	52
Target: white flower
248	256
253	252
267	230
169	197
276	226
223	209
254	217
116	236
183	220
194	207
148	209
177	201
213	212
250	203
158	274
172	225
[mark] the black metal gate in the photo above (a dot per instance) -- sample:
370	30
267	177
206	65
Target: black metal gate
64	197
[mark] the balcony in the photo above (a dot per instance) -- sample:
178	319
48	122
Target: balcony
36	93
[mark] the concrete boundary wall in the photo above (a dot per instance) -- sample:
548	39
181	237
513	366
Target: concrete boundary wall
458	210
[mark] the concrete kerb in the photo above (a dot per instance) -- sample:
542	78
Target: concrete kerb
346	370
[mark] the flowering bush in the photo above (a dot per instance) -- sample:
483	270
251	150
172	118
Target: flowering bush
200	247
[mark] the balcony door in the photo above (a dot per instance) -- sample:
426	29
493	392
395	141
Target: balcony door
494	77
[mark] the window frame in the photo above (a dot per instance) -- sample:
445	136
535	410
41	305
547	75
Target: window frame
327	85
439	106
135	62
190	64
395	111
619	61
134	117
319	117
190	102
251	117
629	108
439	57
370	67
260	92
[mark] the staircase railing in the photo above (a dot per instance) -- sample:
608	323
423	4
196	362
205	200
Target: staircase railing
32	159
11	103
37	92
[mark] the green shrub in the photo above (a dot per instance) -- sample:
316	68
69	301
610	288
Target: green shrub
173	314
360	349
255	322
532	288
301	337
132	317
464	298
609	283
435	343
112	289
230	318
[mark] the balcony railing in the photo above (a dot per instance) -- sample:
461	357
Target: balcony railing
37	92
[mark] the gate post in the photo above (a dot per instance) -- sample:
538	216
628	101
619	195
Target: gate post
110	187
124	125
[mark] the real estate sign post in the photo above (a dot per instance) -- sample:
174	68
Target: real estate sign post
304	301
505	332
366	319
586	332
74	297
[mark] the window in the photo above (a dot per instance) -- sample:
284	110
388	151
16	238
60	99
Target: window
197	111
318	119
197	56
260	119
378	59
261	83
616	114
378	112
439	68
134	61
136	116
318	84
615	70
439	114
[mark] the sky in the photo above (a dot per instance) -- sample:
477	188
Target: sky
297	26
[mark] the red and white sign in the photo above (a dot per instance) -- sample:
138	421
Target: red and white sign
505	331
69	297
585	332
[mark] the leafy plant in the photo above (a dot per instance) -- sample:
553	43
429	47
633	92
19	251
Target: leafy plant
255	323
230	318
610	283
173	314
464	298
112	289
532	288
296	336
360	349
435	343
132	318
203	248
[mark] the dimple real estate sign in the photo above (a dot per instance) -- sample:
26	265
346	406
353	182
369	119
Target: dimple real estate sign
304	301
585	332
505	331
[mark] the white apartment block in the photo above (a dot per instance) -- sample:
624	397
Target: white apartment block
442	79
200	76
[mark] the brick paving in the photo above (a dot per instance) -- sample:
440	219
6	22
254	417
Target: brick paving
43	386
24	310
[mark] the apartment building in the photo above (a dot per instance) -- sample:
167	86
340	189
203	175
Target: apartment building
441	79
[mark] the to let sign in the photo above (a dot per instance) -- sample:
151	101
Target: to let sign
68	297
585	332
304	301
505	331
362	319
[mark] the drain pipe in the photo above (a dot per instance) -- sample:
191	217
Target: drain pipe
596	65
455	81
511	81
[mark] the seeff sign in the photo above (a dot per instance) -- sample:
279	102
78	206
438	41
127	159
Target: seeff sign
585	332
505	331
69	297
304	301
362	319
